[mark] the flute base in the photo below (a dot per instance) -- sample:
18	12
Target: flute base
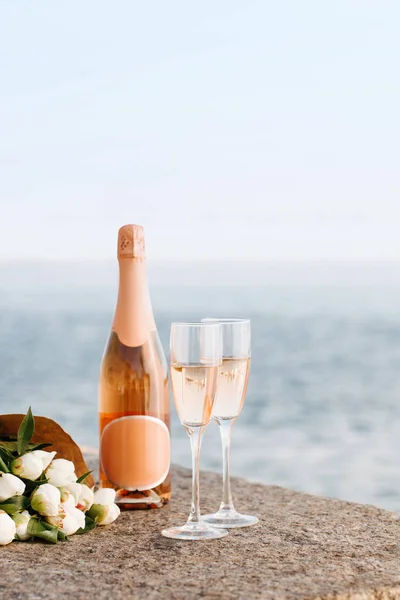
229	519
194	531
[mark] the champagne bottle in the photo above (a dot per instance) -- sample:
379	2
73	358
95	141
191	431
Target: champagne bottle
133	390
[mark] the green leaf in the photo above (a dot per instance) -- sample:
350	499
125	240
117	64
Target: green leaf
33	447
9	446
25	432
89	525
42	530
7	456
14	505
62	537
83	477
3	466
32	485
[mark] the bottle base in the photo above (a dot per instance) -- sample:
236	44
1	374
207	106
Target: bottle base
140	500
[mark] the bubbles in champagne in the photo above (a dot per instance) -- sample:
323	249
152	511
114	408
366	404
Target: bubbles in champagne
194	391
232	385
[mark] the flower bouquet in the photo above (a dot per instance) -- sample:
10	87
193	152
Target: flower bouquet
41	496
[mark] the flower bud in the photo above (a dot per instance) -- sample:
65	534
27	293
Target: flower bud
46	500
77	515
21	521
69	519
61	472
7	528
56	520
27	466
104	514
104	511
105	496
10	486
69	524
83	495
45	457
67	498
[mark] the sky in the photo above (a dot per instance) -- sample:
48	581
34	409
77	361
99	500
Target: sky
255	130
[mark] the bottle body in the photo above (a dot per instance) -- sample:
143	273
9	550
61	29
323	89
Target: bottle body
134	397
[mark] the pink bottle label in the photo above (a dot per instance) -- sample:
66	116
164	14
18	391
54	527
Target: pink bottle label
135	452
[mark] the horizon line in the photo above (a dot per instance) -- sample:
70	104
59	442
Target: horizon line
257	261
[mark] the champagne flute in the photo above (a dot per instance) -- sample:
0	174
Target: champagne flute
232	386
195	357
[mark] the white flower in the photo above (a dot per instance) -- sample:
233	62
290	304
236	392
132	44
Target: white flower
32	464
7	528
113	513
45	457
61	472
27	466
104	514
21	521
67	498
10	486
56	520
69	519
105	496
69	524
46	500
104	510
72	514
83	495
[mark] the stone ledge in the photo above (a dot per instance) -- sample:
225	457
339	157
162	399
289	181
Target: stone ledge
305	547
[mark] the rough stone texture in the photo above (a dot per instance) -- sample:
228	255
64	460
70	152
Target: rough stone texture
305	547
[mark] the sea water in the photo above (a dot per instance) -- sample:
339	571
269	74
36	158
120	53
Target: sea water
322	412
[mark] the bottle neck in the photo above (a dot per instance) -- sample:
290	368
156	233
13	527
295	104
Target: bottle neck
133	319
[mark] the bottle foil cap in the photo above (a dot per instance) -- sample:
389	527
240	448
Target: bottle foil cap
131	242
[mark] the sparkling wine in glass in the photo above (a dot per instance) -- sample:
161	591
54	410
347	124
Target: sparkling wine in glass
195	357
233	376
